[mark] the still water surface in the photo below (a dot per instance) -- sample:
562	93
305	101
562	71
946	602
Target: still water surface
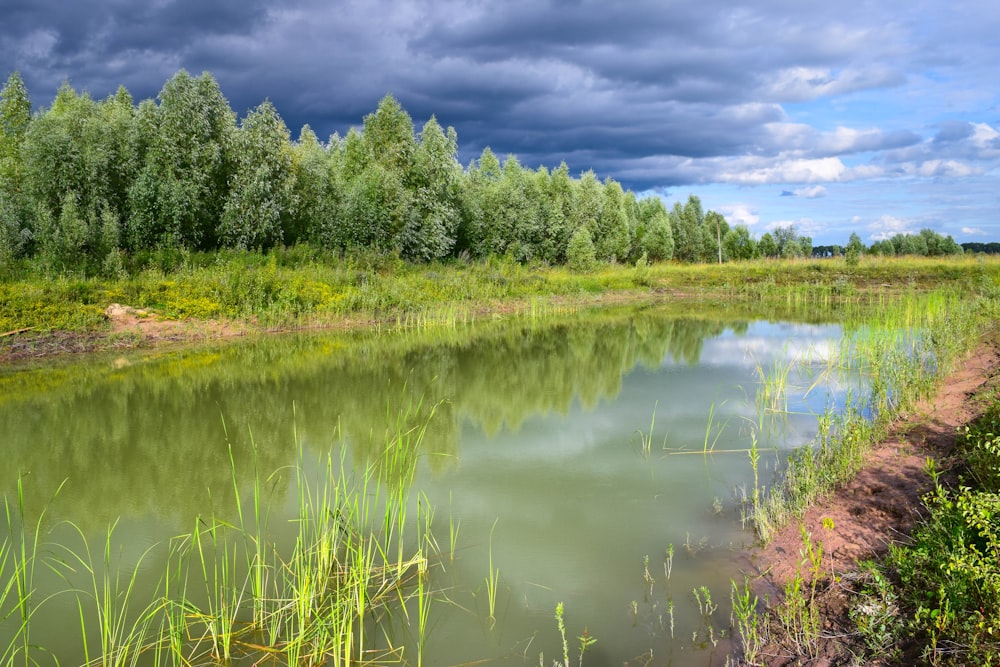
533	450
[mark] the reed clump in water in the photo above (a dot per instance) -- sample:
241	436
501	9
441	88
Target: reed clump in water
233	589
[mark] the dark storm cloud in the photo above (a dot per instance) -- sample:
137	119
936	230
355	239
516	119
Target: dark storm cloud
656	94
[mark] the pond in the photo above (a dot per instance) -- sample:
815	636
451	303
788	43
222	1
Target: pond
598	460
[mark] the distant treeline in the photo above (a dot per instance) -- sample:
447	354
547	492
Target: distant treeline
927	243
992	248
102	186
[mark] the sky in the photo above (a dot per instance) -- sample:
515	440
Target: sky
869	116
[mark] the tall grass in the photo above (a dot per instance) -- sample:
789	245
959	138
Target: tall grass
300	288
914	344
233	590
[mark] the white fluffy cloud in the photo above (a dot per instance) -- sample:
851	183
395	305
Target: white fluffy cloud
888	226
740	214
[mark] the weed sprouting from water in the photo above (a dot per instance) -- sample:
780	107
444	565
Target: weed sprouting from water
750	627
708	446
647	577
123	635
646	439
585	641
492	579
773	393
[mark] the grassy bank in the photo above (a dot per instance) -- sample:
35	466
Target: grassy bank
902	356
300	287
935	598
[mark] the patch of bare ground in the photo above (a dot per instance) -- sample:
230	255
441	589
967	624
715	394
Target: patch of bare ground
127	328
879	506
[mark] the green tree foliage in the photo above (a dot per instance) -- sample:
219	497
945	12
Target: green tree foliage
63	155
654	235
317	192
501	211
119	144
855	248
15	235
15	117
687	223
374	211
883	248
374	165
927	243
389	137
517	212
586	203
612	231
434	180
178	197
991	248
261	202
178	172
714	230
64	239
580	254
767	246
480	179
786	242
82	155
559	194
738	245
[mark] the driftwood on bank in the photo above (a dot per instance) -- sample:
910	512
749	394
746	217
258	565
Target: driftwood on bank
15	332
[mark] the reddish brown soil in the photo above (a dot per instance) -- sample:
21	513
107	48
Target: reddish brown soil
879	506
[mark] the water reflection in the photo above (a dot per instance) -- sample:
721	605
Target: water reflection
530	426
151	435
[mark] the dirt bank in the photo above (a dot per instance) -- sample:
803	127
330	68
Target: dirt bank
131	328
879	506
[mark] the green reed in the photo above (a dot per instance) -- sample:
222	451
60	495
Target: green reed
22	554
124	635
231	590
492	579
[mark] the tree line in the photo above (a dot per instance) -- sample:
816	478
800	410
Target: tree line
926	243
91	186
86	184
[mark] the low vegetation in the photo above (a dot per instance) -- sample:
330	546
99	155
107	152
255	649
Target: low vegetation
945	578
304	286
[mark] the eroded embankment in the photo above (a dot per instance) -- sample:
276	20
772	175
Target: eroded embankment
880	505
